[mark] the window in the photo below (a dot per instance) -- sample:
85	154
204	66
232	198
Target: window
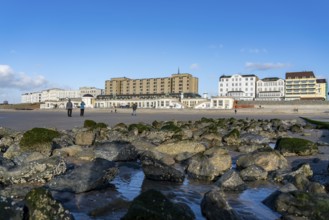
215	103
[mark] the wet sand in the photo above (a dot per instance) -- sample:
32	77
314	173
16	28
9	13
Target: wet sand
22	120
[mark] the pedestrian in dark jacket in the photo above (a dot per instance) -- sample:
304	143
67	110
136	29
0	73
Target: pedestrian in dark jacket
69	107
134	109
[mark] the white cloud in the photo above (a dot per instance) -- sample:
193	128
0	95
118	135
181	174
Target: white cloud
194	66
21	81
265	66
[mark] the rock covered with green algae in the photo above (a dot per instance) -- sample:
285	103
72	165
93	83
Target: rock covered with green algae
296	146
41	206
38	140
300	203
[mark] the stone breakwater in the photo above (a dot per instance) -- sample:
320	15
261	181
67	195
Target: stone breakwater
230	154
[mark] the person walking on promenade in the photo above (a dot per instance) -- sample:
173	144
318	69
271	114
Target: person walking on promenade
69	107
82	108
134	109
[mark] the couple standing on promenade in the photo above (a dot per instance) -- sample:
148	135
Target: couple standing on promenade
69	107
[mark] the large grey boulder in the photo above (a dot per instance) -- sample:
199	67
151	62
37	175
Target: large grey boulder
231	181
251	138
212	140
70	151
232	138
181	150
38	171
159	137
210	164
89	176
253	173
65	140
6	142
300	204
158	169
42	206
8	137
116	151
215	207
296	128
250	148
85	137
266	158
302	169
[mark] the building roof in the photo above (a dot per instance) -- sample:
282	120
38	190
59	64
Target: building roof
267	79
249	75
87	95
246	75
321	81
299	75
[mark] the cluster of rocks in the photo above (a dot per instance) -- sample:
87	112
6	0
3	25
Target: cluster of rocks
84	159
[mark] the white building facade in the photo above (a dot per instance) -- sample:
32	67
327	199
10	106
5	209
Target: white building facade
239	87
159	103
56	94
216	103
270	89
31	97
91	91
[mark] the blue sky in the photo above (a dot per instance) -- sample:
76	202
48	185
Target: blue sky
74	43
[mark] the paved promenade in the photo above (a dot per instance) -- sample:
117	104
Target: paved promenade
26	119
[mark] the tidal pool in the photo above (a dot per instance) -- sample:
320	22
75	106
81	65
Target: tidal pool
113	202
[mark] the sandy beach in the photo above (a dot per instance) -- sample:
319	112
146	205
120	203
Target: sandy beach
26	119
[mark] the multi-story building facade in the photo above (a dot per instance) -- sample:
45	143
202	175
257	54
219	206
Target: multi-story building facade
56	94
176	84
304	85
271	88
31	97
91	91
322	88
239	87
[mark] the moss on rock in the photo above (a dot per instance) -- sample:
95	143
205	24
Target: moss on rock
171	127
140	127
319	124
93	125
41	205
207	120
89	124
38	139
296	146
303	204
